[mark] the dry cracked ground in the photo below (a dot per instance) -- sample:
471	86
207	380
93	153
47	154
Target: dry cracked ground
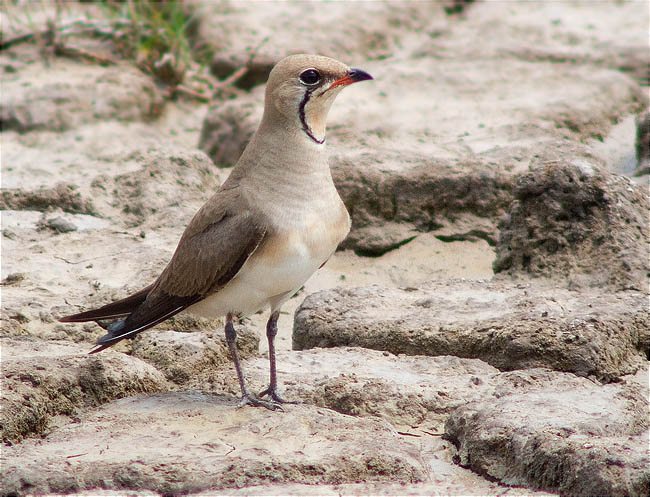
483	330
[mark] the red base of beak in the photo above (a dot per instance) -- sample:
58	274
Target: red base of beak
354	76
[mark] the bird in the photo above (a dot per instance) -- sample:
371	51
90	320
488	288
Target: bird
275	221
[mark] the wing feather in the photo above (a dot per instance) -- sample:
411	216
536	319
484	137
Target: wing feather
216	244
116	309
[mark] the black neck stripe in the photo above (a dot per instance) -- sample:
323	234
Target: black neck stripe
303	120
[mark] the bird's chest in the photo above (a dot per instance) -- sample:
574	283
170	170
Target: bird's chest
298	248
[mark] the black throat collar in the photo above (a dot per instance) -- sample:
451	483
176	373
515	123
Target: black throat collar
303	119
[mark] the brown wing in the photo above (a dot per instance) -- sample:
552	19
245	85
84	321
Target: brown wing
220	238
208	259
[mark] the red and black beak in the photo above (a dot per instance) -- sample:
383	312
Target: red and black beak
353	76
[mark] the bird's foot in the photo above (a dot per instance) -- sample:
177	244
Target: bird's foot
275	396
251	400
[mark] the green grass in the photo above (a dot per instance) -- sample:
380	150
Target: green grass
155	36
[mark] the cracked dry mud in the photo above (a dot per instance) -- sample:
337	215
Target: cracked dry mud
483	330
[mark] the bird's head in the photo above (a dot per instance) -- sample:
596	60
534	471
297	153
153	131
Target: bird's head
301	89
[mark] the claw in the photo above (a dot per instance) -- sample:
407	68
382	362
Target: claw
251	400
275	396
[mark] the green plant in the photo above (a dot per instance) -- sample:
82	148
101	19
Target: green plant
154	35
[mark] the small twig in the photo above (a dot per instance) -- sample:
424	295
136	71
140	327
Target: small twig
76	27
71	51
77	455
190	93
232	79
432	434
8	43
406	433
239	73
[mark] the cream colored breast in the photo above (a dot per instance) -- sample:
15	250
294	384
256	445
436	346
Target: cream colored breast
302	246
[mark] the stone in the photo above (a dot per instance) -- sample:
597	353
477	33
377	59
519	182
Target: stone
642	144
74	94
509	326
45	380
59	225
434	148
242	36
607	35
583	439
188	442
166	184
579	224
228	127
375	241
191	359
63	196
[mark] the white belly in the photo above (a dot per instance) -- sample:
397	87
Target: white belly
277	269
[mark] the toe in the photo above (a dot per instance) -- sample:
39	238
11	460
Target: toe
250	400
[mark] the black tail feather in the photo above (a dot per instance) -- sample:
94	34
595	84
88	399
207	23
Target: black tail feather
152	312
114	329
100	348
114	310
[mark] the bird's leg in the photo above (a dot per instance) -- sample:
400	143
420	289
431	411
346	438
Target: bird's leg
271	332
247	398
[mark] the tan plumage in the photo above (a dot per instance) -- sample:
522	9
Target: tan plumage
274	221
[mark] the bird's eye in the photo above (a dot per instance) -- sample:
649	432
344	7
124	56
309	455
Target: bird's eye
310	77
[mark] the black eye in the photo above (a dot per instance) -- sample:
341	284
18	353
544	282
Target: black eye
310	77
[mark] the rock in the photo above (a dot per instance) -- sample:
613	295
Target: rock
375	241
167	184
508	326
156	193
425	195
578	224
409	392
13	279
445	484
188	442
240	31
192	359
142	191
605	35
139	176
59	225
74	94
228	127
44	380
433	148
616	150
63	196
583	439
642	144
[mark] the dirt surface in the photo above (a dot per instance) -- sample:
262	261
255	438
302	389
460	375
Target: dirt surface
496	136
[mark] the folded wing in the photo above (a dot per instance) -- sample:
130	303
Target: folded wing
213	248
